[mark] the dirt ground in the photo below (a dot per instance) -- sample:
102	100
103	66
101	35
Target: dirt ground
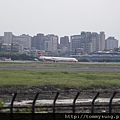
49	91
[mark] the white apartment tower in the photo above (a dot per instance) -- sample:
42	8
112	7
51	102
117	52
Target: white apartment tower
95	40
102	41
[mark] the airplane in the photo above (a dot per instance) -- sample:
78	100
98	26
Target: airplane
5	59
56	59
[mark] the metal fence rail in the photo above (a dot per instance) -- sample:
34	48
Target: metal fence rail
76	106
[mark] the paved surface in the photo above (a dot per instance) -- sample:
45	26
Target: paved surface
63	69
99	69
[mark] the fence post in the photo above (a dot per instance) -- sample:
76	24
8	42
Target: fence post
75	101
110	103
13	99
54	102
92	104
11	106
33	105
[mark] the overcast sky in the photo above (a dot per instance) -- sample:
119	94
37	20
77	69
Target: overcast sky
60	17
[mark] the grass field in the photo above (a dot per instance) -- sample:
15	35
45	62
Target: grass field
60	78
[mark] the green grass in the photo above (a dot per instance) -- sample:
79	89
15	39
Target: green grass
60	78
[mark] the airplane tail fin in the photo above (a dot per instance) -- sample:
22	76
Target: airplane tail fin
40	54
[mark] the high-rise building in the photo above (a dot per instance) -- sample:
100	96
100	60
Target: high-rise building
64	42
24	40
95	40
75	42
111	43
89	42
102	41
1	42
51	42
83	42
38	41
8	37
1	39
86	41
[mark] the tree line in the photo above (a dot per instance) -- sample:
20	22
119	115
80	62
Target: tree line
16	56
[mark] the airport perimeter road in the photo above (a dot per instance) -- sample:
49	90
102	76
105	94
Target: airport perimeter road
105	69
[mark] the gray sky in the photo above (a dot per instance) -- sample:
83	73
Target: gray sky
60	17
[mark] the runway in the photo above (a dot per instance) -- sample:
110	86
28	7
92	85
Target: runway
105	69
33	65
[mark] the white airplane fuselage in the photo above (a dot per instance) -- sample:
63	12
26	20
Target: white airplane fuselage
58	59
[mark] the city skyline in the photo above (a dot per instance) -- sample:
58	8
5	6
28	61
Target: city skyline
56	34
87	41
106	36
60	17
